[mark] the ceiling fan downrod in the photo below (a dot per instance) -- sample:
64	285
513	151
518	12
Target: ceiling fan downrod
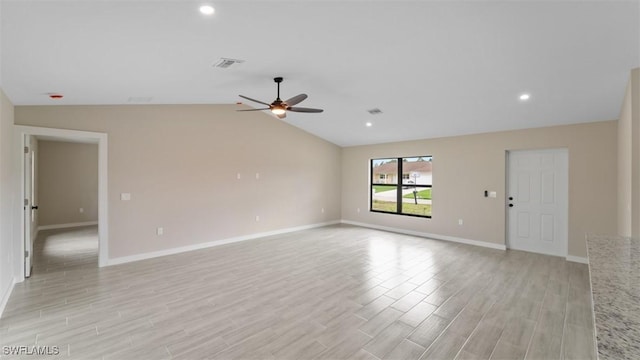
278	80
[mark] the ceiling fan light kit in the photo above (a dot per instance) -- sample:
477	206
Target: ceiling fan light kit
279	107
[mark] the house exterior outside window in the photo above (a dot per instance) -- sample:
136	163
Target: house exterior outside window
411	195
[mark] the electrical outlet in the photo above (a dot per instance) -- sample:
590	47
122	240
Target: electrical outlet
125	196
160	231
322	210
238	176
81	210
358	210
257	218
460	222
257	176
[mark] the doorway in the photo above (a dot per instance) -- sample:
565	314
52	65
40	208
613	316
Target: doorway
26	134
537	201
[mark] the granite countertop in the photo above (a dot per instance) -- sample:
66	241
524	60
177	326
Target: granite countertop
614	268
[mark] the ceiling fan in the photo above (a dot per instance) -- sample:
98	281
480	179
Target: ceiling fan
279	107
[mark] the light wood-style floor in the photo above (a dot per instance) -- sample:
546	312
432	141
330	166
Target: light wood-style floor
337	292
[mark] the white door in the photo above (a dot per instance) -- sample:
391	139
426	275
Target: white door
28	205
537	200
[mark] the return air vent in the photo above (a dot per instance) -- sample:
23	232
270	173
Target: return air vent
225	63
375	111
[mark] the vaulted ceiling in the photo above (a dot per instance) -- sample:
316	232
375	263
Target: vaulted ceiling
433	68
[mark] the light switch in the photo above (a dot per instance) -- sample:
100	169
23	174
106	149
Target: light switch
125	196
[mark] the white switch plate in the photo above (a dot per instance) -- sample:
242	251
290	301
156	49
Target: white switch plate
460	222
322	210
81	210
493	194
160	231
257	176
238	176
125	196
257	217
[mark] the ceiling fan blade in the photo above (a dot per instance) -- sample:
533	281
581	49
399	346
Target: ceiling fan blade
282	116
254	109
296	99
305	110
254	100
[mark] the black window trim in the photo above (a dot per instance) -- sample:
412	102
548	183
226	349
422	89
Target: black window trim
399	185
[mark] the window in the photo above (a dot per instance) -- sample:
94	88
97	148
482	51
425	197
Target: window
411	195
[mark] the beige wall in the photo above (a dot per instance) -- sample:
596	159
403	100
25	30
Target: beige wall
67	181
8	253
465	166
629	159
180	164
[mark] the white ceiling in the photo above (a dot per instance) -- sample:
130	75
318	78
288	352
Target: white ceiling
434	68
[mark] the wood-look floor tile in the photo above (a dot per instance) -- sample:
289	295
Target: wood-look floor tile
451	308
388	339
375	307
370	295
417	314
319	293
363	355
518	331
507	351
446	346
406	350
346	348
465	322
483	340
408	301
427	332
578	343
378	323
401	290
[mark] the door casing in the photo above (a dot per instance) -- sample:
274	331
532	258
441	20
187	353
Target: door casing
101	139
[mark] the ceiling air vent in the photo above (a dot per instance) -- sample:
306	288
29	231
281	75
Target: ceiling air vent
225	63
375	111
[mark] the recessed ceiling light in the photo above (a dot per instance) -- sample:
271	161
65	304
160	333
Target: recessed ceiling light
369	124
207	9
525	97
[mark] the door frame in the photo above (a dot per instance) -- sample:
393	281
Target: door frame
28	175
103	200
508	152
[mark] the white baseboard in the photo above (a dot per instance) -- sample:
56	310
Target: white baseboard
69	225
5	296
178	250
428	235
577	259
